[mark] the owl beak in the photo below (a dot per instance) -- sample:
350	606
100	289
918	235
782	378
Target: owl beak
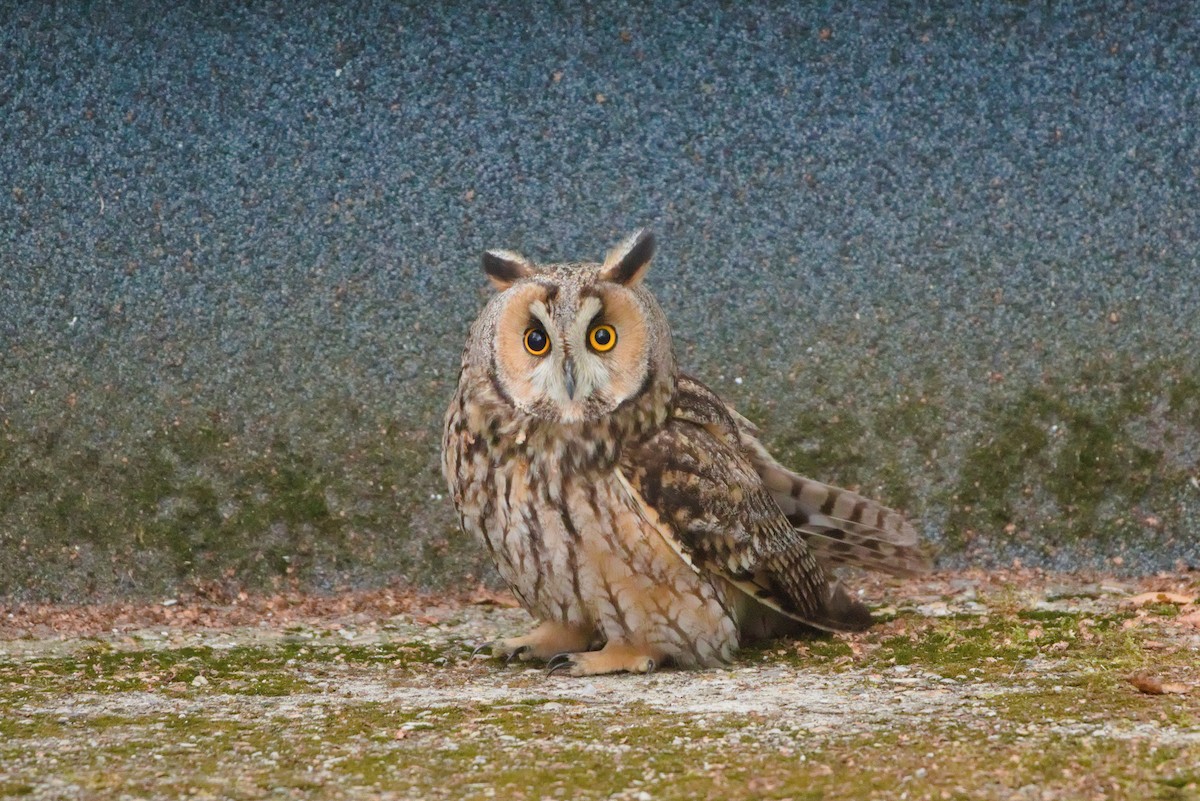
570	378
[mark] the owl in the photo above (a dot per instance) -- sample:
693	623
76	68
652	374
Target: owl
635	515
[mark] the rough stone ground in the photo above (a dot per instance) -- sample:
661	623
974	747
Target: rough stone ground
1007	685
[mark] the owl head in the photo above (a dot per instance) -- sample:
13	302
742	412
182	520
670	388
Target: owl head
570	343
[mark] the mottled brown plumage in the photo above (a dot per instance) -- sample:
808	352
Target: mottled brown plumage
635	515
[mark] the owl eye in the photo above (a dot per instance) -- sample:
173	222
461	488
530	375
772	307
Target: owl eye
602	338
536	341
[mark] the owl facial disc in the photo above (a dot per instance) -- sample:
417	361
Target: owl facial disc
569	343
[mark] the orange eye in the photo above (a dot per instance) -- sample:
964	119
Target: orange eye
536	341
602	338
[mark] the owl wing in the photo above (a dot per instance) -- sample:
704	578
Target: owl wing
840	527
714	509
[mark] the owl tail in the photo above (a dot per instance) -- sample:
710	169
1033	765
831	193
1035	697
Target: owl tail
840	527
800	595
841	612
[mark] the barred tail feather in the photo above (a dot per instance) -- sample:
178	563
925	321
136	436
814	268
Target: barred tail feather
839	526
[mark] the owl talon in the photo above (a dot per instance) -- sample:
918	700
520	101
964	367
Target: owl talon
560	662
500	649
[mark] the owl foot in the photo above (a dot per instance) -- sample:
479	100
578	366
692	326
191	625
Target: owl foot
541	643
612	658
498	649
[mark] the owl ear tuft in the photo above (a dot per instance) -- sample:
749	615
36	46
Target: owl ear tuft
627	262
504	268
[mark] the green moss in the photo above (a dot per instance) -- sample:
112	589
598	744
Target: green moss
262	519
1181	781
886	447
328	497
1183	396
822	442
239	670
195	501
561	753
1058	463
997	647
14	729
1162	610
915	418
14	790
1049	615
1079	459
587	759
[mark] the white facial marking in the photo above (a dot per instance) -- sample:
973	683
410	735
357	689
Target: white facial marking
591	371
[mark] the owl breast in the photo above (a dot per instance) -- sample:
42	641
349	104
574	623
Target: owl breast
577	545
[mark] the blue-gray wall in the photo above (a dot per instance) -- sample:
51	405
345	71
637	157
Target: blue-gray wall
946	253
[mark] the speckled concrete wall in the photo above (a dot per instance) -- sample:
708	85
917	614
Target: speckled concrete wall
949	255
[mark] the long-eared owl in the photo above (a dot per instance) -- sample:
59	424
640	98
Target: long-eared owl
634	514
